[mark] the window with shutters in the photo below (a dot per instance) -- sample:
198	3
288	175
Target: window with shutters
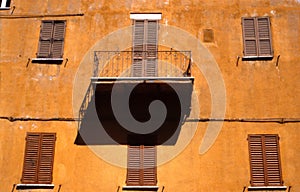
4	4
51	43
141	166
38	158
264	160
145	37
257	37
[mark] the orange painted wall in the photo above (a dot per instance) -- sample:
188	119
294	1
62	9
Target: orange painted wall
254	90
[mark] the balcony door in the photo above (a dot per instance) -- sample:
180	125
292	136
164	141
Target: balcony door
145	37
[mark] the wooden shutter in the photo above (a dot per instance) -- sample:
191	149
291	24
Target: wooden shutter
38	159
138	48
141	169
32	150
264	36
44	50
145	37
134	166
149	165
151	48
249	36
58	39
256	160
46	158
257	37
264	160
51	39
273	168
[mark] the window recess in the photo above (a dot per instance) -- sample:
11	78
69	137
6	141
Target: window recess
257	38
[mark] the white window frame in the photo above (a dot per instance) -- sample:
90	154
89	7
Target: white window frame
145	16
3	4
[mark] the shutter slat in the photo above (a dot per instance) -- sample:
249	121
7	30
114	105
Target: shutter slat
137	68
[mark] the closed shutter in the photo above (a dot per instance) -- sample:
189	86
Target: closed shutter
58	39
264	36
51	39
32	150
256	160
151	48
46	158
149	165
138	48
134	166
257	37
141	170
38	159
44	50
272	160
264	160
145	35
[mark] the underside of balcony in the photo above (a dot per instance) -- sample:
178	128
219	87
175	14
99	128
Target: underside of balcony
113	82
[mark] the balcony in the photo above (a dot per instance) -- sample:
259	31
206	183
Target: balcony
136	79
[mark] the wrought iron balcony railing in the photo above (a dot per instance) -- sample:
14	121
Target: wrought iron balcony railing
122	63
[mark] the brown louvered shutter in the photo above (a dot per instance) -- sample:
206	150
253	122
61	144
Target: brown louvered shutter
264	36
141	170
138	48
151	48
256	160
134	166
32	149
264	160
273	167
149	165
249	36
38	159
58	39
44	50
257	37
46	158
145	37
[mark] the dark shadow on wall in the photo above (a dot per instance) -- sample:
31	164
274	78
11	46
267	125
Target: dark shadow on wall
99	126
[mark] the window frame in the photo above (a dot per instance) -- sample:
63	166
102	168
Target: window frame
265	162
6	4
262	43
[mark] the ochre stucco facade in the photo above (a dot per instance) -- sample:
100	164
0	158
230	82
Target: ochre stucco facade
261	96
